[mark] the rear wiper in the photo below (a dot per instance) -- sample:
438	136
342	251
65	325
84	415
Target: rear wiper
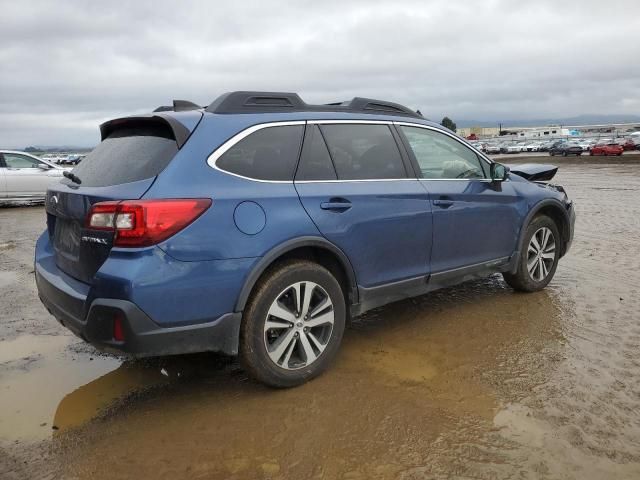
74	178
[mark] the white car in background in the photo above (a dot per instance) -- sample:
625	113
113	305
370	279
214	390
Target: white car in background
585	144
531	147
26	177
515	147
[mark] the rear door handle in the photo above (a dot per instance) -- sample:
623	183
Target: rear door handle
336	205
443	202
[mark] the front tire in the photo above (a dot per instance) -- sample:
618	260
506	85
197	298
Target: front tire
539	257
293	324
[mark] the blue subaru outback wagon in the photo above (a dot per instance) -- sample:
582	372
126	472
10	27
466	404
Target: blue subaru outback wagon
258	225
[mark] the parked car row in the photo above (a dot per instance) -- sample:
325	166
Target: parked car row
63	158
558	146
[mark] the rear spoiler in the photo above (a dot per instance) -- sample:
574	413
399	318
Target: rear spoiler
180	132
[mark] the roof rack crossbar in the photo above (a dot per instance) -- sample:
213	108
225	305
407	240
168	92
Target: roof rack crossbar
263	102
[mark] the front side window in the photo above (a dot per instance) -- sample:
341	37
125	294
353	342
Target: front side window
13	160
442	157
363	151
271	153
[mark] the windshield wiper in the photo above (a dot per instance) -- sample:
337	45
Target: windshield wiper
71	176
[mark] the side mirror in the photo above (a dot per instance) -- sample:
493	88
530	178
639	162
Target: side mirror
499	172
44	166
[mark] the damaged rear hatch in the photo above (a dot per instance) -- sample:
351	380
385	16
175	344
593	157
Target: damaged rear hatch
123	166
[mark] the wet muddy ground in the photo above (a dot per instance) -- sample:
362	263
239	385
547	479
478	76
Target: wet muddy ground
474	381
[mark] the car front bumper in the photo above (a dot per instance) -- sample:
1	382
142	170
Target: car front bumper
572	222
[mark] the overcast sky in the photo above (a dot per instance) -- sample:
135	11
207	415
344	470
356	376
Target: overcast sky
68	66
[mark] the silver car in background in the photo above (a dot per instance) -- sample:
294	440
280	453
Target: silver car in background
26	177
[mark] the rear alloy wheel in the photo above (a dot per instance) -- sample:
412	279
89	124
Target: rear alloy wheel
538	262
293	325
298	326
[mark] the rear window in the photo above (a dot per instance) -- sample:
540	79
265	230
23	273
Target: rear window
128	155
361	152
268	154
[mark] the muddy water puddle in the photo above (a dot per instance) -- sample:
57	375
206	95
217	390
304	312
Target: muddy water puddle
36	374
474	381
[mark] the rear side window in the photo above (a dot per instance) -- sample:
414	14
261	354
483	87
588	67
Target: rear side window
315	162
268	154
128	155
363	152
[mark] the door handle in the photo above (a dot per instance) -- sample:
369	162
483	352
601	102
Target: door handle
443	202
336	205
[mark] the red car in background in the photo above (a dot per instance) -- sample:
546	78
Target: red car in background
629	144
609	149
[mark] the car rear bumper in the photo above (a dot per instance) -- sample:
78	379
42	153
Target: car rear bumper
68	300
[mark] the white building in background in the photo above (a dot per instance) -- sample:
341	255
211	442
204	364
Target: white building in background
542	132
553	131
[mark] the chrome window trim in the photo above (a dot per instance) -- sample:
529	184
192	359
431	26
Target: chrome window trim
360	180
227	145
364	122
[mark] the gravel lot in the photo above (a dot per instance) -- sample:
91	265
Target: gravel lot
474	381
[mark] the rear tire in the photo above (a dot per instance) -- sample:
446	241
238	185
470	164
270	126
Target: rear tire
293	324
536	267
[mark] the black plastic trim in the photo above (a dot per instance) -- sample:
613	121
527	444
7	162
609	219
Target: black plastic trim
469	272
180	132
567	227
272	102
378	296
288	246
372	297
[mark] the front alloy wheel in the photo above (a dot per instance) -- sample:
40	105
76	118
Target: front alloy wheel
541	254
538	259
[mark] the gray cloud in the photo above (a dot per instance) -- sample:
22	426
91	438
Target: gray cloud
67	66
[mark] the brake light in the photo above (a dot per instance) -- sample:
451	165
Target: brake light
141	223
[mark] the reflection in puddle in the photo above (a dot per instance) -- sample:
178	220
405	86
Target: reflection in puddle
36	372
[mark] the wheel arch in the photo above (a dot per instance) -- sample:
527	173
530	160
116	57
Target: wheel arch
317	249
554	210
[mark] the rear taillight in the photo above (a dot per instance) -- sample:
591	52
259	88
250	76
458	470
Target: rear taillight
140	223
118	329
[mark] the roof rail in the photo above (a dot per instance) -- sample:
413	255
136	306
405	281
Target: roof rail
271	102
179	106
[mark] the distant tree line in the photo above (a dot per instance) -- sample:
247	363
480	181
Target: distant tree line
448	123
